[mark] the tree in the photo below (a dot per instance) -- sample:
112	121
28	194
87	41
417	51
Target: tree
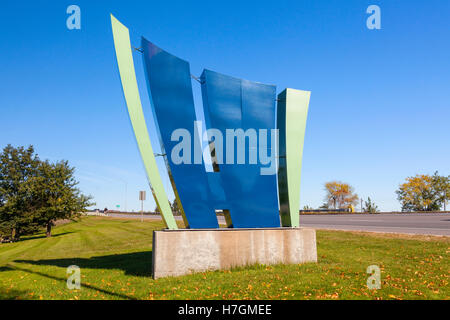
17	167
340	195
55	194
369	206
324	206
442	186
424	192
35	193
175	208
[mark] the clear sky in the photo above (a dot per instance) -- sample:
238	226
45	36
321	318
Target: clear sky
379	110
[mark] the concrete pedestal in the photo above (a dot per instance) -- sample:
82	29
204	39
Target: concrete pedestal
179	252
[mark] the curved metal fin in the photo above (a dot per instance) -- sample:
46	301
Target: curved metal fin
132	98
170	91
244	107
292	113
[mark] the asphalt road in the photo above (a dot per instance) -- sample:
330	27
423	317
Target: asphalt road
413	223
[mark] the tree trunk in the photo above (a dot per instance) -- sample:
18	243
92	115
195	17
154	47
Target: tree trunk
13	234
49	230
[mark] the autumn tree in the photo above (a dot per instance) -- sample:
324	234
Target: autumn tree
424	192
340	195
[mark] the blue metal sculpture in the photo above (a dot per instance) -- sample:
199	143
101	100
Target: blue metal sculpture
170	90
243	184
230	104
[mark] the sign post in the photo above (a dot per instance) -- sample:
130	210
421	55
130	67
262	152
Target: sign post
142	196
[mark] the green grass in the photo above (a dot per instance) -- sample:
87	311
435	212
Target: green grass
115	260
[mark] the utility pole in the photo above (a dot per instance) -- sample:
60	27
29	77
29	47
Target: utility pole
361	206
142	196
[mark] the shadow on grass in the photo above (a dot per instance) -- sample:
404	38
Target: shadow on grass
6	294
44	236
14	295
10	294
135	264
3	269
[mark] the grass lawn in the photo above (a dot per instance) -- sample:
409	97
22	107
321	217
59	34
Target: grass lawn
115	260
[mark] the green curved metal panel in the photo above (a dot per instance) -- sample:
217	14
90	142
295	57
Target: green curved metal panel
292	114
132	98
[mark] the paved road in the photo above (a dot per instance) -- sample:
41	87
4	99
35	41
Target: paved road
150	217
138	216
413	223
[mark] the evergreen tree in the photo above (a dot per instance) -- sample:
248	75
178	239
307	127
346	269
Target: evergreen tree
17	167
175	208
369	206
55	194
35	193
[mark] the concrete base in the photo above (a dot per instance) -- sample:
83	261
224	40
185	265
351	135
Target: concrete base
179	252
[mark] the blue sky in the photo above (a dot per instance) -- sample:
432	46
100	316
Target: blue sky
379	109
